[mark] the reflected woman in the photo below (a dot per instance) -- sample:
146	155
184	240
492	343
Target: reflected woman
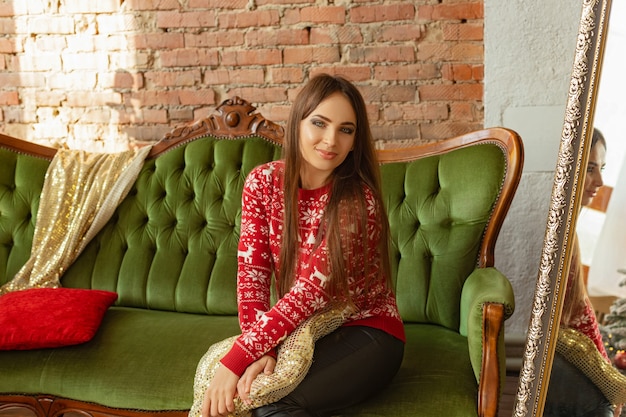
570	392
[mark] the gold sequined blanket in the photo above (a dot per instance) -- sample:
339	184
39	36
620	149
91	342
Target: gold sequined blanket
80	193
294	358
580	350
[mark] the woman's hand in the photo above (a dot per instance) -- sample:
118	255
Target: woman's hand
264	365
218	398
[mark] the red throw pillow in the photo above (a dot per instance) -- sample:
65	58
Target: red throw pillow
51	317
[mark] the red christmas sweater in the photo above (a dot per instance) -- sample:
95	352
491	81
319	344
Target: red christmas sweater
264	326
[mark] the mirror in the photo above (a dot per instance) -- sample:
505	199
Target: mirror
563	211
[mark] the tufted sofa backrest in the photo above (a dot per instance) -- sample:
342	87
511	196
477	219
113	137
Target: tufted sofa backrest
439	208
172	242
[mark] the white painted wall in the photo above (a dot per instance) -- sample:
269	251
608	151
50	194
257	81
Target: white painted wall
529	51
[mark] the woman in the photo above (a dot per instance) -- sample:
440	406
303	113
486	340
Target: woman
316	220
570	392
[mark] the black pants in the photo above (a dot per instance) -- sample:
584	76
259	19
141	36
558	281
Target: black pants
349	365
572	394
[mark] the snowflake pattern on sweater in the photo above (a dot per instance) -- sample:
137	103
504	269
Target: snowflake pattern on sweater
264	326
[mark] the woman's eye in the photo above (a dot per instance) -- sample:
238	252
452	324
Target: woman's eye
317	123
347	130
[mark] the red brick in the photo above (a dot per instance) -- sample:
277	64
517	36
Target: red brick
452	11
93	98
277	2
9	46
446	52
24	79
196	97
439	130
120	80
333	35
382	13
405	72
457	72
151	4
251	57
275	112
451	92
259	94
256	18
214	39
329	14
184	113
395	131
185	78
275	37
352	73
217	4
178	19
8	98
388	93
100	115
189	57
49	98
151	98
233	77
310	54
395	53
425	111
396	33
281	75
463	31
166	41
154	116
463	111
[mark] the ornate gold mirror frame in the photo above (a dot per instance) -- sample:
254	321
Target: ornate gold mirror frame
563	211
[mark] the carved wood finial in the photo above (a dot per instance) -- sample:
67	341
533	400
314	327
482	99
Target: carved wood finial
234	117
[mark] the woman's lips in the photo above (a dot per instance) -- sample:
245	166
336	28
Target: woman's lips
326	154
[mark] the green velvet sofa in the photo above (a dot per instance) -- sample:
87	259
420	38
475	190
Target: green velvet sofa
170	253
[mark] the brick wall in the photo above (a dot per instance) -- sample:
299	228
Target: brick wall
110	72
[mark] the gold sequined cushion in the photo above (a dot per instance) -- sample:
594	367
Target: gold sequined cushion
51	317
293	361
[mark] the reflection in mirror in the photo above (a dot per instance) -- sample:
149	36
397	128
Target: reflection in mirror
560	242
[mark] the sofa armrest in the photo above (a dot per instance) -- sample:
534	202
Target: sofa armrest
484	286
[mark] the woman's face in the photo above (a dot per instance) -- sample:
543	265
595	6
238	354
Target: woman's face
326	138
593	177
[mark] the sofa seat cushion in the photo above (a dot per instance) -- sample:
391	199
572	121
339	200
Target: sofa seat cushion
138	359
435	378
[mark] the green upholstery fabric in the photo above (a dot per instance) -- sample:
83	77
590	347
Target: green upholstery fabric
21	181
169	251
133	360
172	243
434	380
437	216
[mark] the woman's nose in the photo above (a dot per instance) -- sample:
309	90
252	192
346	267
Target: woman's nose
330	137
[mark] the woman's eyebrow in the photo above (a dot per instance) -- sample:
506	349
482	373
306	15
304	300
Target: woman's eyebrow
329	120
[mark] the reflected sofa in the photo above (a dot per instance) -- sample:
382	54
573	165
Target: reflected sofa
170	253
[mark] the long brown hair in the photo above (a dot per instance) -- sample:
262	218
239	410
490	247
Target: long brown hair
576	292
359	169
